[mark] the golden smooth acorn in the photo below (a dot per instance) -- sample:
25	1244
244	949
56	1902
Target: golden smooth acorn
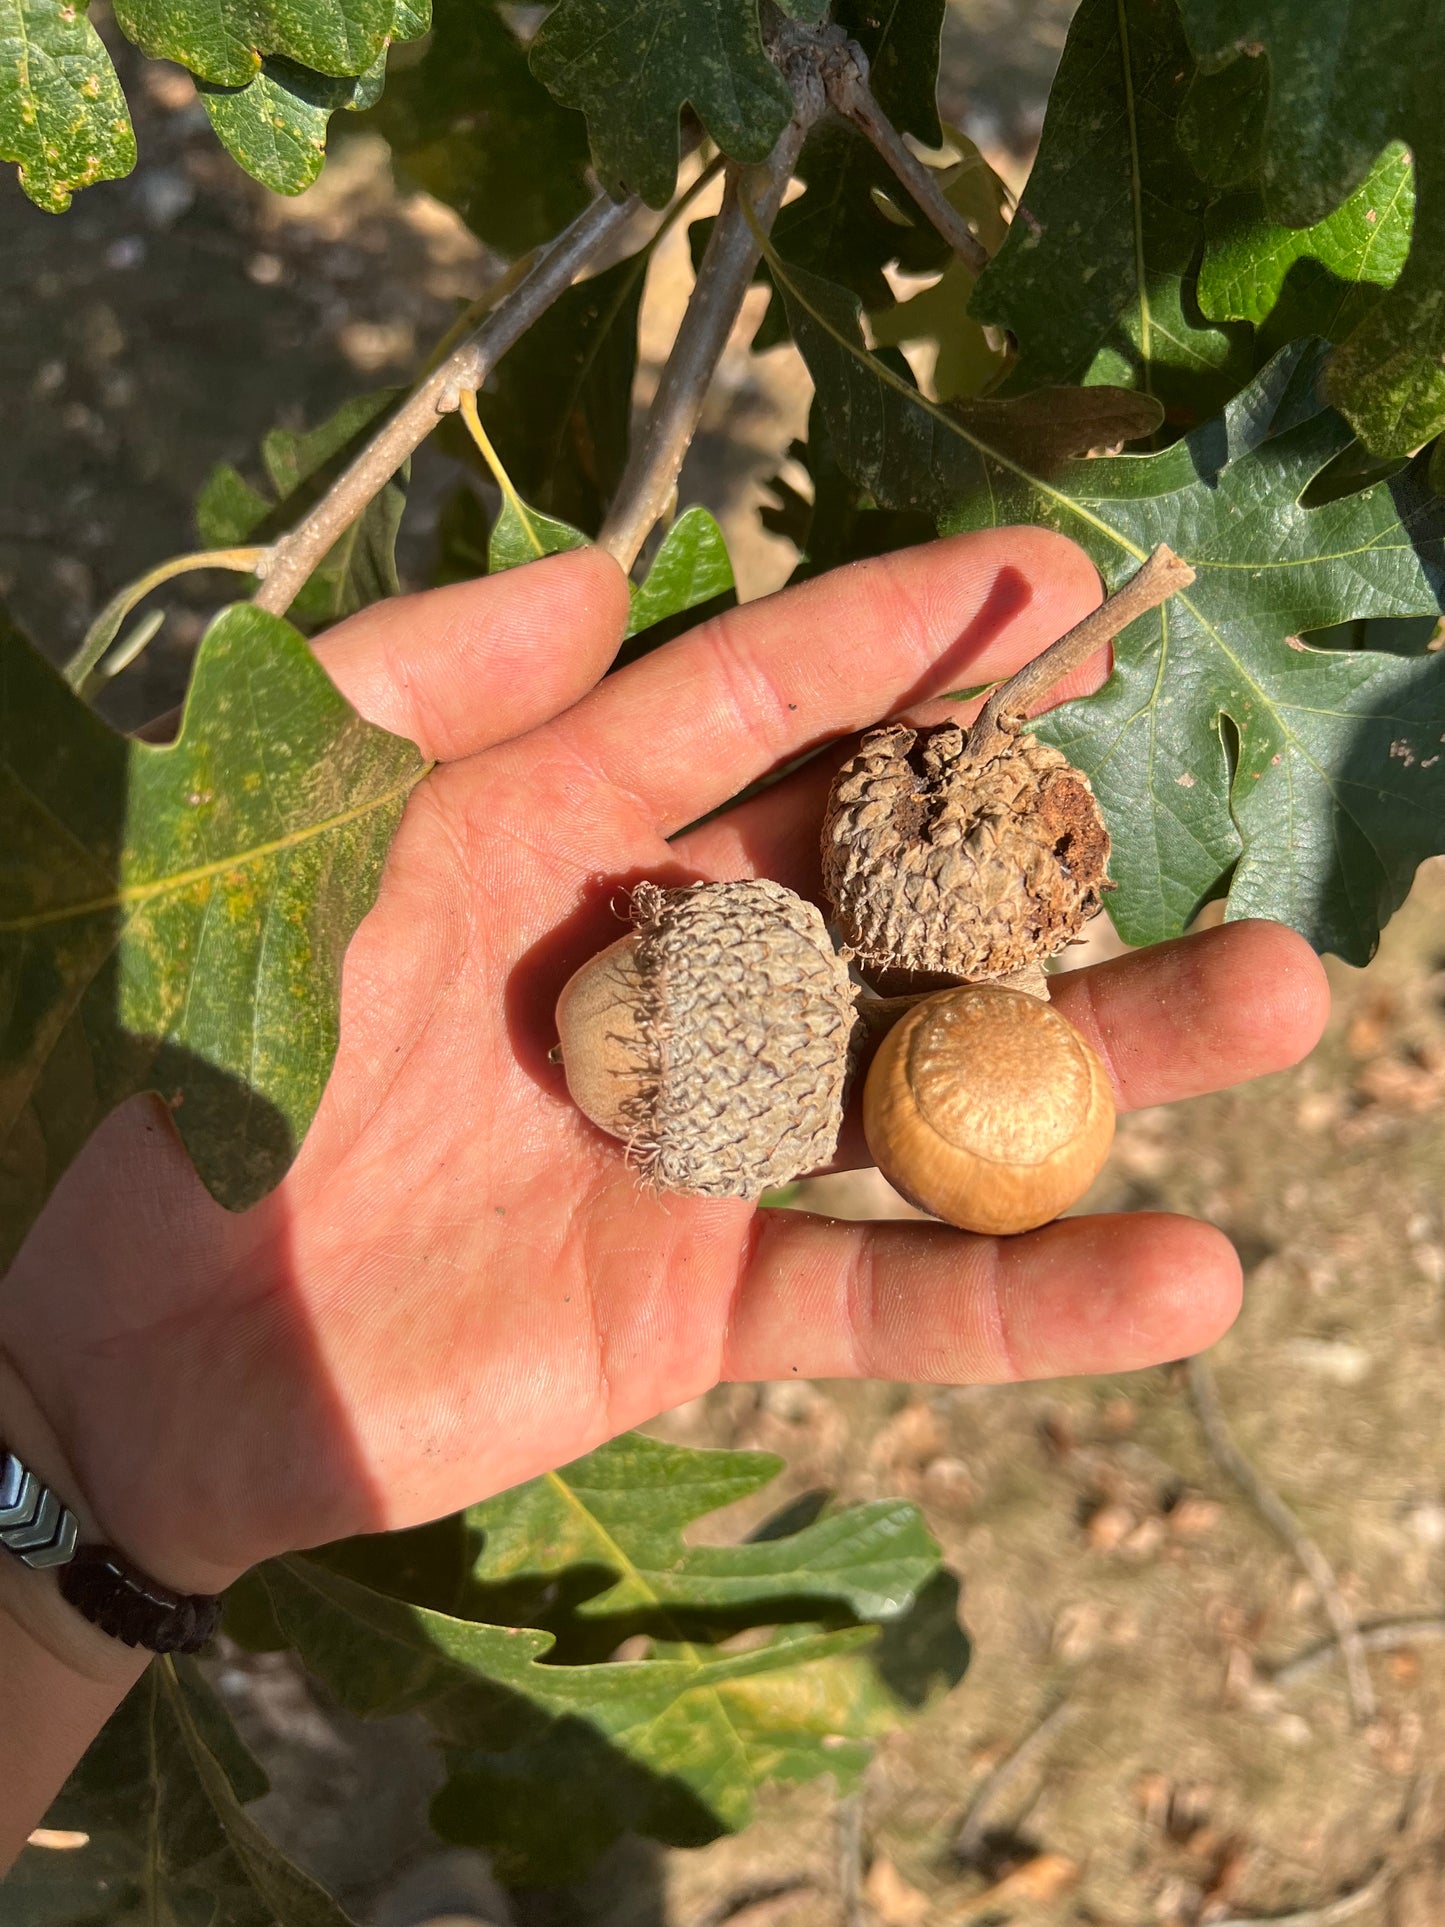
987	1109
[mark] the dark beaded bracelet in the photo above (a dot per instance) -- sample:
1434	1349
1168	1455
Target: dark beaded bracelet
102	1586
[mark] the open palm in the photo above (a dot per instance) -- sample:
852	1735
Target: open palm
459	1284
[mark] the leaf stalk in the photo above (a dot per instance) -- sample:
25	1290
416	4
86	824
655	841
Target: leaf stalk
82	672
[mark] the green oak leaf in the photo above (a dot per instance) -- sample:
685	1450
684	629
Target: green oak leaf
162	1795
841	523
63	116
691	567
632	66
901	39
471	124
1318	280
551	1761
624	1507
1336	789
967	360
1343	83
275	126
523	534
225	41
559	408
1094	280
852	220
173	917
360	567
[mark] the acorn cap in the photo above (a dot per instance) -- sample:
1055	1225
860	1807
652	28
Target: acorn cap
935	865
727	1021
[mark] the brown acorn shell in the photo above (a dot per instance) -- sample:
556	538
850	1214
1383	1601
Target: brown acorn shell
987	1109
722	1039
935	866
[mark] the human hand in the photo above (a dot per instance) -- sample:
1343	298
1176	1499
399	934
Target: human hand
459	1283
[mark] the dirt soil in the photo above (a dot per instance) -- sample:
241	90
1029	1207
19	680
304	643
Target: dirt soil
1134	1616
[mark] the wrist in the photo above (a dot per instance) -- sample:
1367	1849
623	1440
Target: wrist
34	1612
61	1584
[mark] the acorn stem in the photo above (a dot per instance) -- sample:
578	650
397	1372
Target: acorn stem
1160	577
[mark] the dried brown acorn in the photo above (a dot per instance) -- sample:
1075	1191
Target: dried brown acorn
969	856
715	1039
936	863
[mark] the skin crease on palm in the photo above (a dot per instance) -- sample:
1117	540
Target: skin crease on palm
459	1284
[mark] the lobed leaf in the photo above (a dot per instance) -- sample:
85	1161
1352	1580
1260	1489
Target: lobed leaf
967	359
631	66
550	1761
1227	754
162	1797
1318	280
1343	83
275	126
852	220
63	116
1094	279
624	1506
173	918
225	41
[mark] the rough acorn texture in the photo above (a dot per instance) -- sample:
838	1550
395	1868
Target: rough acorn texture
935	866
748	1012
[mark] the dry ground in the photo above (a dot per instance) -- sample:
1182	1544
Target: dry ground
1129	1607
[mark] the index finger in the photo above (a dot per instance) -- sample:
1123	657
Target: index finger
688	727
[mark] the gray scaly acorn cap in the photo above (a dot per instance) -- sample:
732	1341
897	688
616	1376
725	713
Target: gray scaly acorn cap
729	1018
968	871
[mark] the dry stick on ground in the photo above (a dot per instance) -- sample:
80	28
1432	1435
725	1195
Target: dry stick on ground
1383	1636
1411	1836
650	479
1334	1913
850	1860
1275	1512
291	560
1009	1771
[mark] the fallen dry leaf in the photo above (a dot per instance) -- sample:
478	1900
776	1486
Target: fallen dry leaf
896	1901
1046	1877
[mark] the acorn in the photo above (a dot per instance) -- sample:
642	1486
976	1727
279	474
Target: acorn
714	1040
986	1108
965	856
968	870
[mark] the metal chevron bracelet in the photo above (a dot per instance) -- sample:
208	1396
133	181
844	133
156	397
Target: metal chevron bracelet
96	1580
